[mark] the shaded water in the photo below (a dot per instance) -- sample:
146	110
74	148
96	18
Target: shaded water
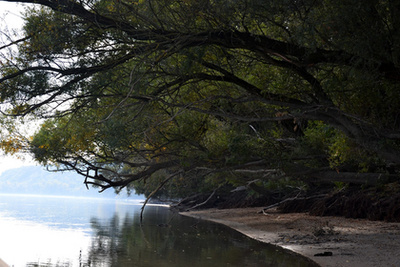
50	231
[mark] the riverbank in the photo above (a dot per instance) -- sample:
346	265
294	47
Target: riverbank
350	242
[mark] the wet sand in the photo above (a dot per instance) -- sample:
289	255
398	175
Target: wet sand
351	242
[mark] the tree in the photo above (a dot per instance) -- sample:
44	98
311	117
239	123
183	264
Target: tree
189	89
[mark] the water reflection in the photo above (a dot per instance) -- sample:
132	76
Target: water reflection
167	239
48	231
82	232
23	241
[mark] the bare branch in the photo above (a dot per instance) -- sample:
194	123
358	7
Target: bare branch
156	190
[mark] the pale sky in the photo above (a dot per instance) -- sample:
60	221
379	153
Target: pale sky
9	162
10	14
10	18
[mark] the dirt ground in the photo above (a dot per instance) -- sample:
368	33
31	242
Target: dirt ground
349	242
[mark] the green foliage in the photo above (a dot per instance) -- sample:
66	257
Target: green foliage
339	186
45	26
333	147
212	91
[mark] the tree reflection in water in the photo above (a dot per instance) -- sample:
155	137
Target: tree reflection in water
167	239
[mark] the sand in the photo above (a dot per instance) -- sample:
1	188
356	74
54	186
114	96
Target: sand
352	242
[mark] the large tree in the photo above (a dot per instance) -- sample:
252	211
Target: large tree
188	90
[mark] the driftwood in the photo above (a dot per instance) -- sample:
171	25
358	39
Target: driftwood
290	199
204	202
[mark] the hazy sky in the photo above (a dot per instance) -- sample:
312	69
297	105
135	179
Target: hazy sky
10	162
10	14
10	18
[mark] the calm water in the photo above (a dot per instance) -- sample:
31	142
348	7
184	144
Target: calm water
51	231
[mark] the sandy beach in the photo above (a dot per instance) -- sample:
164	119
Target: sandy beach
349	242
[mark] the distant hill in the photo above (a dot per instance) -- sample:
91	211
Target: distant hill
37	181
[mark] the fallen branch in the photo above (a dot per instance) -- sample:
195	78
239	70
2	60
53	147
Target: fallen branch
204	202
290	199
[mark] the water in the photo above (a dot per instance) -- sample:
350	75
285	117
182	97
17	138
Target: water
55	231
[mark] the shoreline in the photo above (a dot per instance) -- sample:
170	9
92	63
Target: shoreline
352	242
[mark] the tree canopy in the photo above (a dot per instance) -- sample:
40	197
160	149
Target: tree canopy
203	93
